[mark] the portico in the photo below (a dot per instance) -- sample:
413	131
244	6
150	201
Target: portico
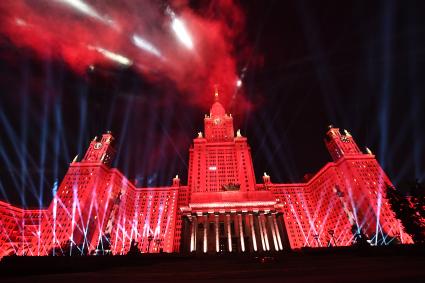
233	222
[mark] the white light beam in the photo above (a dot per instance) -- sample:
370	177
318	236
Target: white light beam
113	56
145	45
87	10
181	32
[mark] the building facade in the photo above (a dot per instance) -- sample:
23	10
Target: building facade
221	209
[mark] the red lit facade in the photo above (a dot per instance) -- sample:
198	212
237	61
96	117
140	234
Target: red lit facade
221	209
17	228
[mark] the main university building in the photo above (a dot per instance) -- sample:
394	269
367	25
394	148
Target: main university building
221	209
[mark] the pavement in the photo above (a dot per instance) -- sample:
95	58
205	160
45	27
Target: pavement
345	267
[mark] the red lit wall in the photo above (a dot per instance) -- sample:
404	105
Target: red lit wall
147	216
10	228
17	228
96	206
182	200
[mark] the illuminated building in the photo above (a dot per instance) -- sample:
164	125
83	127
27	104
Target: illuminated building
222	208
17	228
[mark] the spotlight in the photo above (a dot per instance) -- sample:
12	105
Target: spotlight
180	29
145	45
112	56
181	32
84	8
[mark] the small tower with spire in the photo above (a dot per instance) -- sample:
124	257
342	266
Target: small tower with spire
216	92
176	181
266	179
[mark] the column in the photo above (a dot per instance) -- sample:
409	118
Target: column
235	226
239	216
193	234
185	237
266	238
279	240
282	230
271	225
229	232
260	229
254	239
205	233
217	233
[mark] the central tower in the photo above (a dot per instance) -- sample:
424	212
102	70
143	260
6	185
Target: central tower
218	125
220	161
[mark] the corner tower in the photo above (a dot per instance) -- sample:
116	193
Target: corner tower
100	150
362	189
340	144
79	211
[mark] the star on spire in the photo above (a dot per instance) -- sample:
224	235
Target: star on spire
216	92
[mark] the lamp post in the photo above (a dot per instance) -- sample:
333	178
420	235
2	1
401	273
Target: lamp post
398	238
142	243
358	237
316	237
158	242
331	233
150	238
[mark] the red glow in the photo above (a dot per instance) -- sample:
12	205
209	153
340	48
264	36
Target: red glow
75	31
222	208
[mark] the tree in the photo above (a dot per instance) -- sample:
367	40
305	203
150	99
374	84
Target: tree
418	199
409	210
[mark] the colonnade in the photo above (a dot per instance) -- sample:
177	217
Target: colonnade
235	232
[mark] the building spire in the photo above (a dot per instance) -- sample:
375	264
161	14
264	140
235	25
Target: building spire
216	92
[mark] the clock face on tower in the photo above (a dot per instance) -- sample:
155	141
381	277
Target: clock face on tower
217	121
97	145
345	139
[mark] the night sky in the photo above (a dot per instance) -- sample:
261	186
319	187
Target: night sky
357	65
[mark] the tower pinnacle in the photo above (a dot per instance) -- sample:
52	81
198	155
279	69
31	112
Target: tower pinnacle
216	92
